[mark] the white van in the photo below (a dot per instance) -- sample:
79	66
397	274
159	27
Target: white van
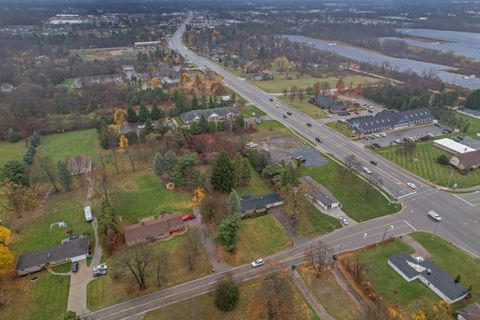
88	213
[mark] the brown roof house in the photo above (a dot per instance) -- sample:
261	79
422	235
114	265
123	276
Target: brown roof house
466	161
153	229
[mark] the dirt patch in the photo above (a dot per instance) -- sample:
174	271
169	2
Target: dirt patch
278	147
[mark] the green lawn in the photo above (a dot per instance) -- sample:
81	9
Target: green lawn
313	223
258	237
249	111
341	127
11	151
143	195
455	262
350	191
426	165
272	128
305	107
65	145
280	82
119	285
474	127
257	186
45	298
203	307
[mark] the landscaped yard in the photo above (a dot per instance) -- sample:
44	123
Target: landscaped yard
203	307
257	186
305	107
142	195
281	82
11	151
313	223
422	161
119	285
351	191
65	145
258	237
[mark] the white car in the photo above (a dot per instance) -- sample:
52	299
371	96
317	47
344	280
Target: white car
366	170
100	267
397	140
418	258
343	220
377	135
435	216
411	185
383	134
252	145
257	263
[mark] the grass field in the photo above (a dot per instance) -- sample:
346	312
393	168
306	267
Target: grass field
203	307
106	291
305	107
280	82
474	127
426	165
341	127
11	151
455	262
45	298
257	186
258	237
313	223
353	200
65	145
249	111
142	195
324	288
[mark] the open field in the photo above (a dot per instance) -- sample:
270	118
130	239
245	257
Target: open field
11	151
257	186
353	199
101	53
280	82
305	107
203	307
474	126
250	110
341	127
426	165
258	237
455	262
324	288
142	195
119	285
313	223
65	145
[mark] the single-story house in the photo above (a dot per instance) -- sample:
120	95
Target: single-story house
6	88
328	104
471	142
430	274
215	114
168	82
79	165
451	146
470	112
72	250
470	312
131	127
466	161
250	204
319	194
97	80
152	229
389	120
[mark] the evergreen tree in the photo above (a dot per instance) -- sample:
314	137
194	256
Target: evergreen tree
204	102
13	136
227	232
247	172
233	202
131	115
64	175
227	295
180	103
195	104
211	103
156	113
143	113
238	166
169	161
158	164
223	173
14	171
203	124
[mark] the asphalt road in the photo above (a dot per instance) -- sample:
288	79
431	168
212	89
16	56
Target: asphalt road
460	224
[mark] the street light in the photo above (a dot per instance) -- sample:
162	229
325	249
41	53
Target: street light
388	228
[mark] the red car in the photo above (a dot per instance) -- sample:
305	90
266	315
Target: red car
187	217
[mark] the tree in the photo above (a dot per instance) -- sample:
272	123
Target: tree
190	249
317	257
6	256
19	198
184	173
246	173
227	232
473	100
14	171
161	268
340	86
155	113
169	161
195	103
158	164
70	315
233	202
13	136
316	89
213	208
64	175
46	164
143	113
227	295
443	159
223	173
136	260
198	196
238	167
123	142
131	115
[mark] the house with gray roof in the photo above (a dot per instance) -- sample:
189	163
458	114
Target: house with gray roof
319	194
470	112
430	274
215	114
250	204
69	251
389	120
470	312
328	104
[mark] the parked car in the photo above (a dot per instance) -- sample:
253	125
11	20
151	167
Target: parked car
187	217
370	111
383	134
301	158
397	140
376	145
411	185
75	267
99	273
251	144
356	112
373	162
435	216
257	263
343	220
418	258
102	266
318	140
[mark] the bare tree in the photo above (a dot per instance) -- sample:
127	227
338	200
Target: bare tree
137	259
161	268
45	163
324	86
100	183
318	256
191	249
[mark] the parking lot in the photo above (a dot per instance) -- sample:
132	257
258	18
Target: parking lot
400	134
312	156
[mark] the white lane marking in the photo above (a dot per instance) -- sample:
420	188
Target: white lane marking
409	225
406	195
470	204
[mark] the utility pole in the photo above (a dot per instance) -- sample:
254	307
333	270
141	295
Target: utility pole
390	227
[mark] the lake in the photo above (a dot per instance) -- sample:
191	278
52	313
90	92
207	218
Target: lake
371	57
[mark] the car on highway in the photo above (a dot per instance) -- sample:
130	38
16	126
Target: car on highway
318	140
188	217
411	185
102	266
257	263
366	170
343	220
285	116
373	162
435	216
271	100
289	113
309	124
357	113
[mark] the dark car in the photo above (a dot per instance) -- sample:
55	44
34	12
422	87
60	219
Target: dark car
373	162
301	158
318	140
289	113
309	124
285	116
74	267
271	99
376	145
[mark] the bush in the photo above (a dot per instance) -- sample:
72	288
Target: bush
443	159
13	136
226	295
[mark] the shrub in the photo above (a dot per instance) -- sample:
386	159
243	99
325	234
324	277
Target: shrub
226	295
443	159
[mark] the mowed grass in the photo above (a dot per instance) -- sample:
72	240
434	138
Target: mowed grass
388	283
271	128
328	292
341	127
143	195
203	307
250	110
258	237
107	290
455	262
313	223
11	151
63	146
474	126
350	191
257	186
46	298
281	82
305	107
426	165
